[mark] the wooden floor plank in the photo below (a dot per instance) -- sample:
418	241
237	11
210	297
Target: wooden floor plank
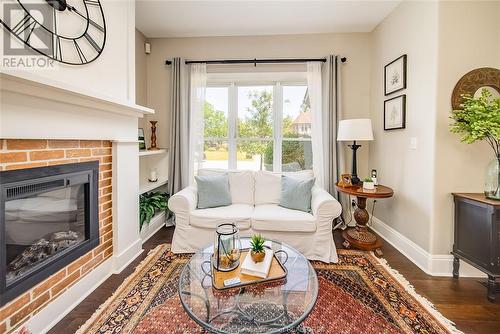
462	301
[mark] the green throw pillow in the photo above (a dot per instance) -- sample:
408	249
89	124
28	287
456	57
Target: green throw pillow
296	193
213	191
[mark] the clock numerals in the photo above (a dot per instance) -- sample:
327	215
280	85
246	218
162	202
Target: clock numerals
89	20
26	24
92	42
80	53
56	48
92	3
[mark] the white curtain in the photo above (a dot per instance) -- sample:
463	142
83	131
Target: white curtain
315	91
198	85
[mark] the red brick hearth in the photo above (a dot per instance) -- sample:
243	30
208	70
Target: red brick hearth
20	153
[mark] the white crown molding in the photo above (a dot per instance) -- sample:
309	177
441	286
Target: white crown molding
28	84
434	265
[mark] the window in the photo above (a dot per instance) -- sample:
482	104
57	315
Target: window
258	127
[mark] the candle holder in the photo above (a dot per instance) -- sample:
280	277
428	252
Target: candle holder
153	136
227	248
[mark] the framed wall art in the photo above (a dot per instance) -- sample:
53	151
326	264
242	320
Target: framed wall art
395	113
395	75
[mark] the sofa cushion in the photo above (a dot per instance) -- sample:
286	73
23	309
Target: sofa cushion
268	185
271	217
241	184
296	194
239	214
213	191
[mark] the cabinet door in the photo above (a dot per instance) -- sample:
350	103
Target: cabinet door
474	231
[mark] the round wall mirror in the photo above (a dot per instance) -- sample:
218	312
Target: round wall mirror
473	83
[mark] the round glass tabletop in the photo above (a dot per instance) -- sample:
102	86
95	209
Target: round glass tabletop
271	307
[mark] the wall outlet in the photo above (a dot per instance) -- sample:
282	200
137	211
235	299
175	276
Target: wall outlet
413	143
353	203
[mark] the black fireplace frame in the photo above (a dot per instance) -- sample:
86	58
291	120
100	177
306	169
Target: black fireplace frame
56	177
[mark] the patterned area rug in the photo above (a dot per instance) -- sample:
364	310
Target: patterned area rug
360	294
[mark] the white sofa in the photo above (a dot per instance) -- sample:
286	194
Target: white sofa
254	209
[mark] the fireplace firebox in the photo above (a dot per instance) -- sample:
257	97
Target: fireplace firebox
48	218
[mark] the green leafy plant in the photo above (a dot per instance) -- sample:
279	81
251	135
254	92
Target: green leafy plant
367	179
257	243
478	120
149	204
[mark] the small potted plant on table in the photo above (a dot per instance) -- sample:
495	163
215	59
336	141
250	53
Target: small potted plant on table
257	252
368	184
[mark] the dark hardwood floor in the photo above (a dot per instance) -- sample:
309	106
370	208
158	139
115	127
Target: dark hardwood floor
462	301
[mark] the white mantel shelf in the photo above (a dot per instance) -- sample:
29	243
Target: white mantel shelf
29	84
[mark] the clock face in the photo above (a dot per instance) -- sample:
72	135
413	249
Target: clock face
69	31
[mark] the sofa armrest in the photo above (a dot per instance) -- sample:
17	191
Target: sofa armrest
323	205
182	203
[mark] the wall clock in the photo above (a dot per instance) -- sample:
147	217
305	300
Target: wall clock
68	31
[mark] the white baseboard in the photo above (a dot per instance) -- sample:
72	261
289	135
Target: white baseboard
122	260
435	265
58	308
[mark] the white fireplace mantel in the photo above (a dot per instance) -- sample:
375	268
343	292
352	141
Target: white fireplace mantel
32	107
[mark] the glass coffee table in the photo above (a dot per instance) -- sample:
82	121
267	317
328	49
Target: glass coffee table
272	307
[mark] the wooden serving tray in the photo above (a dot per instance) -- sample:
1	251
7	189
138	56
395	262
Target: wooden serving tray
276	272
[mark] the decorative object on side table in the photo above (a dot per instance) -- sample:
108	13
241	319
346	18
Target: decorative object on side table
479	119
481	249
345	180
153	136
368	184
359	236
395	113
227	248
395	75
142	141
355	130
374	176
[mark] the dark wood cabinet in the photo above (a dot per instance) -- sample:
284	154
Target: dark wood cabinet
477	236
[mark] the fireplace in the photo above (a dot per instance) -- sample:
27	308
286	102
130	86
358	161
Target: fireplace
48	219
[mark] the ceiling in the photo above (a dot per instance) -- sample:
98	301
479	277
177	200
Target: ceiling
165	18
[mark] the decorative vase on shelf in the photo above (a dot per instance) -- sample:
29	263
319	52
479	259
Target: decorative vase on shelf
492	183
153	136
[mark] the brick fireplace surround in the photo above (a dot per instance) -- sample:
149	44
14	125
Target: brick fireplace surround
20	153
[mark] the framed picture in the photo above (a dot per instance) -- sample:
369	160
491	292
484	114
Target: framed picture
142	142
345	180
395	113
395	75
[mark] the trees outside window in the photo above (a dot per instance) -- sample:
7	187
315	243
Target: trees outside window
268	134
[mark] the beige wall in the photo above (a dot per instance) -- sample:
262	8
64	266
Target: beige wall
466	42
141	81
355	73
409	172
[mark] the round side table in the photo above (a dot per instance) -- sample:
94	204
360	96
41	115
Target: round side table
360	237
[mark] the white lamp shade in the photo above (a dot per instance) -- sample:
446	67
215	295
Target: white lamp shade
355	129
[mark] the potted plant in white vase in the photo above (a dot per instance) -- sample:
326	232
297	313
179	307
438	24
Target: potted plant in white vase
368	184
480	120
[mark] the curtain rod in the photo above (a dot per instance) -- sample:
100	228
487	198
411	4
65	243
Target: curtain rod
255	61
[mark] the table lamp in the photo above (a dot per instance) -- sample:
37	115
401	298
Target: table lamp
355	130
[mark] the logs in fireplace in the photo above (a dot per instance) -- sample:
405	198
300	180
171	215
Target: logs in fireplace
48	218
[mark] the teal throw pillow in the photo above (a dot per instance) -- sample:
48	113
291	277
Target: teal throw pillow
213	191
296	193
